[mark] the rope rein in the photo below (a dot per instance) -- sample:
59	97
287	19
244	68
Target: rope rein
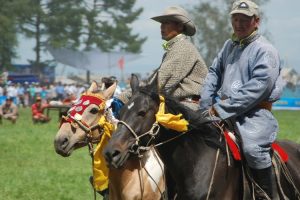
216	158
91	152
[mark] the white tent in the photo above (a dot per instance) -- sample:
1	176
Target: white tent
290	76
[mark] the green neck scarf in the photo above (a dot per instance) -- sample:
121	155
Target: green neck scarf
168	44
244	42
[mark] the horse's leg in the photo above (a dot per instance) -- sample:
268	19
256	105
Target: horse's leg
293	164
170	185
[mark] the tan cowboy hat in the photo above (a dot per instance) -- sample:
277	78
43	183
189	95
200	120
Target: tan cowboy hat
177	14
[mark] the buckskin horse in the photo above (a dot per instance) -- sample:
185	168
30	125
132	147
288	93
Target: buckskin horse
196	159
140	178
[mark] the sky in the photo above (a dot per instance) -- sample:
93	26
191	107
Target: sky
283	22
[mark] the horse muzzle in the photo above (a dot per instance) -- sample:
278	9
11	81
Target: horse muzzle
114	157
62	146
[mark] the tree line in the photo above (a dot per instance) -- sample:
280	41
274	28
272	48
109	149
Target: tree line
103	24
75	24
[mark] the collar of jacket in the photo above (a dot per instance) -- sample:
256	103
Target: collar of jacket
168	44
244	42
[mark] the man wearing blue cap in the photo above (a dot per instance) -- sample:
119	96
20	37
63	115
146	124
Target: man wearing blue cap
241	85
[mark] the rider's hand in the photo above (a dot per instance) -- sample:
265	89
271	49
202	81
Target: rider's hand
206	116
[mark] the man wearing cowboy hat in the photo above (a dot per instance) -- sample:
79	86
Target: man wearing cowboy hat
240	87
182	71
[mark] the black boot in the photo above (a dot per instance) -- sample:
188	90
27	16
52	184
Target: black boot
103	193
263	177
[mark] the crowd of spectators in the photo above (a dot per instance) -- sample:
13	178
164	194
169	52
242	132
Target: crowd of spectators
36	96
25	94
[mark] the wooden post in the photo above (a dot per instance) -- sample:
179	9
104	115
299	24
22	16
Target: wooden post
88	77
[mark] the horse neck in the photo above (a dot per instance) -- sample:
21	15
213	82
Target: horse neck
172	143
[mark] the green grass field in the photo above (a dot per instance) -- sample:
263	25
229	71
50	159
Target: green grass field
31	170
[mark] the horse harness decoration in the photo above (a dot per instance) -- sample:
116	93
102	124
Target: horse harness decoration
74	116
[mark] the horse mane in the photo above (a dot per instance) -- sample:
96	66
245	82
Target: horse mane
194	118
174	106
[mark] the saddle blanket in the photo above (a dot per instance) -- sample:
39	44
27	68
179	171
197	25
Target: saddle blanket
235	150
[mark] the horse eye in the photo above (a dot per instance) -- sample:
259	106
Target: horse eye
142	113
94	110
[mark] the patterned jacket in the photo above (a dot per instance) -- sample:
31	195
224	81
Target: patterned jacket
182	71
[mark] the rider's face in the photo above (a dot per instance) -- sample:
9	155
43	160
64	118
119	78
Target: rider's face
244	25
170	29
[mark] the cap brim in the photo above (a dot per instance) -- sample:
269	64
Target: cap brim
245	12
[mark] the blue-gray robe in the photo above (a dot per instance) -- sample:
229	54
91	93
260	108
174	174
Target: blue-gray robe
241	77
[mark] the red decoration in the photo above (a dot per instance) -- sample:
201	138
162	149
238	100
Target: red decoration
75	112
281	152
233	146
121	63
80	106
236	152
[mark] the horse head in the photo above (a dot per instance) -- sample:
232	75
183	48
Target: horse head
80	127
137	118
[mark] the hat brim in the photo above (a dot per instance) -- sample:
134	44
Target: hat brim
245	12
190	28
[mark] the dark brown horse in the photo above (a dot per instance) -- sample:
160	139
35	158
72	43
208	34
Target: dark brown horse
196	159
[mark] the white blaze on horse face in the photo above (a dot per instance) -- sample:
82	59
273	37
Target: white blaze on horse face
155	167
130	105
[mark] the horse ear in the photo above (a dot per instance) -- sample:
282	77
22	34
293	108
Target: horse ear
109	92
93	87
134	83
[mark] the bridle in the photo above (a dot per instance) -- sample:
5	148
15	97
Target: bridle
74	116
136	148
75	123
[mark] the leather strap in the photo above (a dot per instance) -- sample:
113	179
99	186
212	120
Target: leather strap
265	105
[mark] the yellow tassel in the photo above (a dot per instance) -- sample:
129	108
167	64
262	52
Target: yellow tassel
100	170
169	120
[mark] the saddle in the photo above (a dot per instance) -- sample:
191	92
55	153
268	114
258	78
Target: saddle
280	170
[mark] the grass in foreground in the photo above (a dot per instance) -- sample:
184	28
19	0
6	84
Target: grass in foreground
289	126
31	170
